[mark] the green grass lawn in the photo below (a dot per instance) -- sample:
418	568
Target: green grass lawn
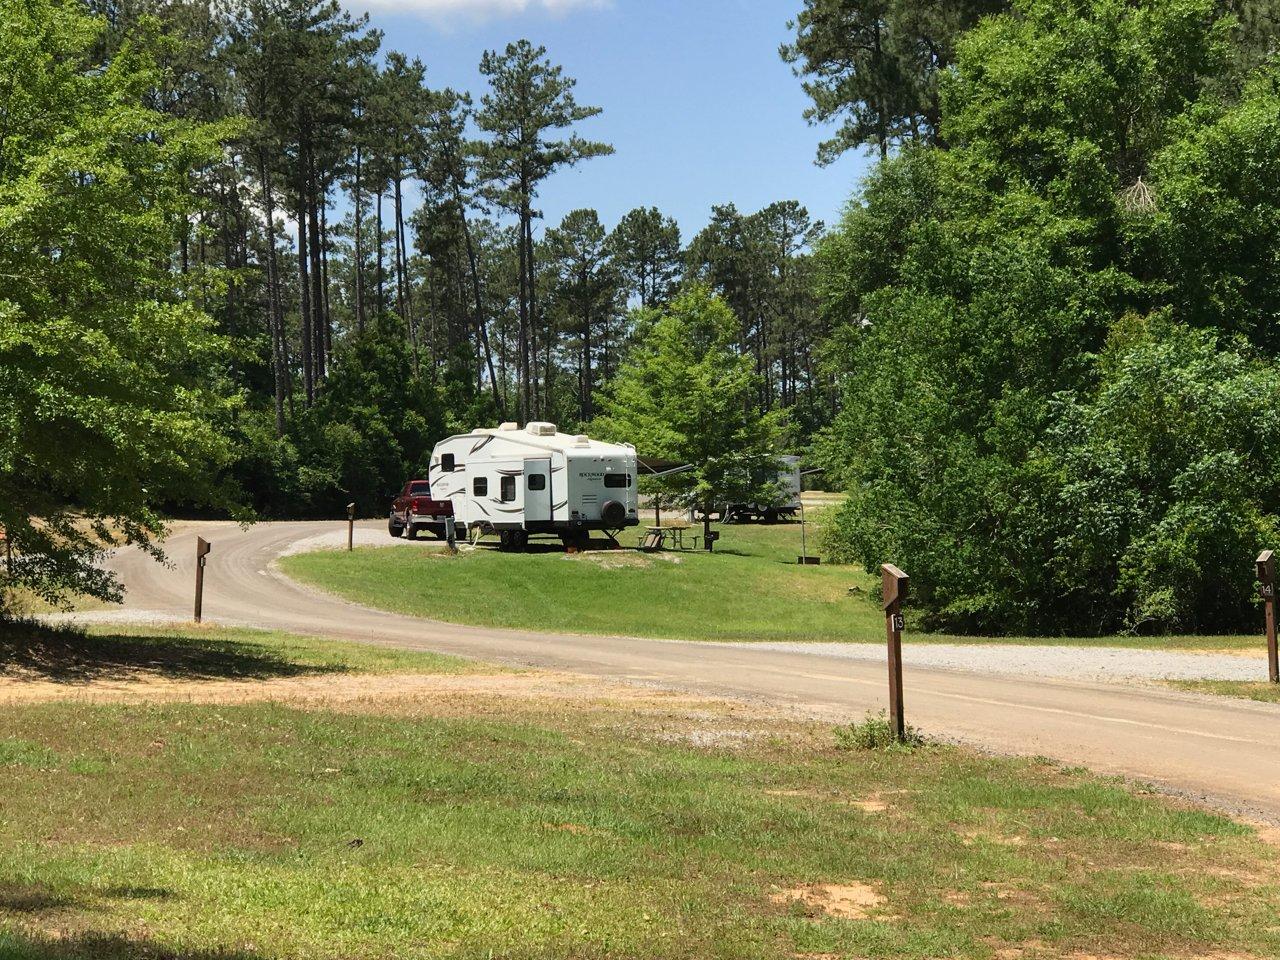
576	829
1262	692
750	589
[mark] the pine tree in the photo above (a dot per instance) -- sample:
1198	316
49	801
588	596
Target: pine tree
529	100
646	250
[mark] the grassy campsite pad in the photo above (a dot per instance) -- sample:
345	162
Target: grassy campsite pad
501	821
750	589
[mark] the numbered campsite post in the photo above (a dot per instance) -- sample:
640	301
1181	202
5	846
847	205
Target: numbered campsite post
351	527
895	591
203	548
1266	570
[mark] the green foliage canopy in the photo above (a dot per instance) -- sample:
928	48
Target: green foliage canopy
687	394
1034	428
104	412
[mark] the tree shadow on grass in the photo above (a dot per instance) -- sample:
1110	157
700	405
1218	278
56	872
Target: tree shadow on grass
91	946
59	909
65	654
37	898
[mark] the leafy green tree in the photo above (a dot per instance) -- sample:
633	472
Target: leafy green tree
646	249
529	101
685	393
375	424
1099	167
1170	476
105	411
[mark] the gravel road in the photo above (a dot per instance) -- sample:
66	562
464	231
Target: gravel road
1065	663
1214	748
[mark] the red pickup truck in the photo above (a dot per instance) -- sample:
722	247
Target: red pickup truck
414	511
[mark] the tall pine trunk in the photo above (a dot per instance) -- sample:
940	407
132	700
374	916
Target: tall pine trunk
359	252
522	349
381	274
304	299
402	280
317	276
276	314
324	273
482	322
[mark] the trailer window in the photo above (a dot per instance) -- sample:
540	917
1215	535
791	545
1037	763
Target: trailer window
508	489
480	486
620	481
537	481
447	463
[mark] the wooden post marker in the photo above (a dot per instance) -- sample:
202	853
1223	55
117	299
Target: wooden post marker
1266	570
895	591
203	548
351	527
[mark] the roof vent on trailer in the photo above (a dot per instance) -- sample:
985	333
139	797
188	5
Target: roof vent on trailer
509	428
582	440
541	429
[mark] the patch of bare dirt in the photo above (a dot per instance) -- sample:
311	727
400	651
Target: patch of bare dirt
843	901
1268	834
703	736
871	804
1013	895
975	836
1023	951
612	559
332	690
623	559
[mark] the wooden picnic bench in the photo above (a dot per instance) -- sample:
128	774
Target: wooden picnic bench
667	536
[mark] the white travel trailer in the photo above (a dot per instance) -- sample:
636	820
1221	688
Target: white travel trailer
518	483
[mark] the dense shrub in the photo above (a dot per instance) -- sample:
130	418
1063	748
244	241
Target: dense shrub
1058	330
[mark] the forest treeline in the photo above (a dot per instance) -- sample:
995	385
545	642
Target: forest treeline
372	246
1057	304
253	261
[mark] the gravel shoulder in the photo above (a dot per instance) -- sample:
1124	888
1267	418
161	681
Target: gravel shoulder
1063	663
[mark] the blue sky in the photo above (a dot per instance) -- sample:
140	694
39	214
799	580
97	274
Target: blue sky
696	100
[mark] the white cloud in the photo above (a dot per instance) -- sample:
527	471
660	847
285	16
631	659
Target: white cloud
474	10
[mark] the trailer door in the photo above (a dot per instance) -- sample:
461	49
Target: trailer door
537	491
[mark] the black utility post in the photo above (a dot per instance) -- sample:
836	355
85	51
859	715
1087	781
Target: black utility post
895	591
351	527
1266	569
804	558
203	547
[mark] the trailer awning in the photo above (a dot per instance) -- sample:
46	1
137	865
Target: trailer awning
657	464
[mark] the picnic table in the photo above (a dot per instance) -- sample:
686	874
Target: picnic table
667	536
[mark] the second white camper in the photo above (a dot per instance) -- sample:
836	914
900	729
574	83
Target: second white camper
522	482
